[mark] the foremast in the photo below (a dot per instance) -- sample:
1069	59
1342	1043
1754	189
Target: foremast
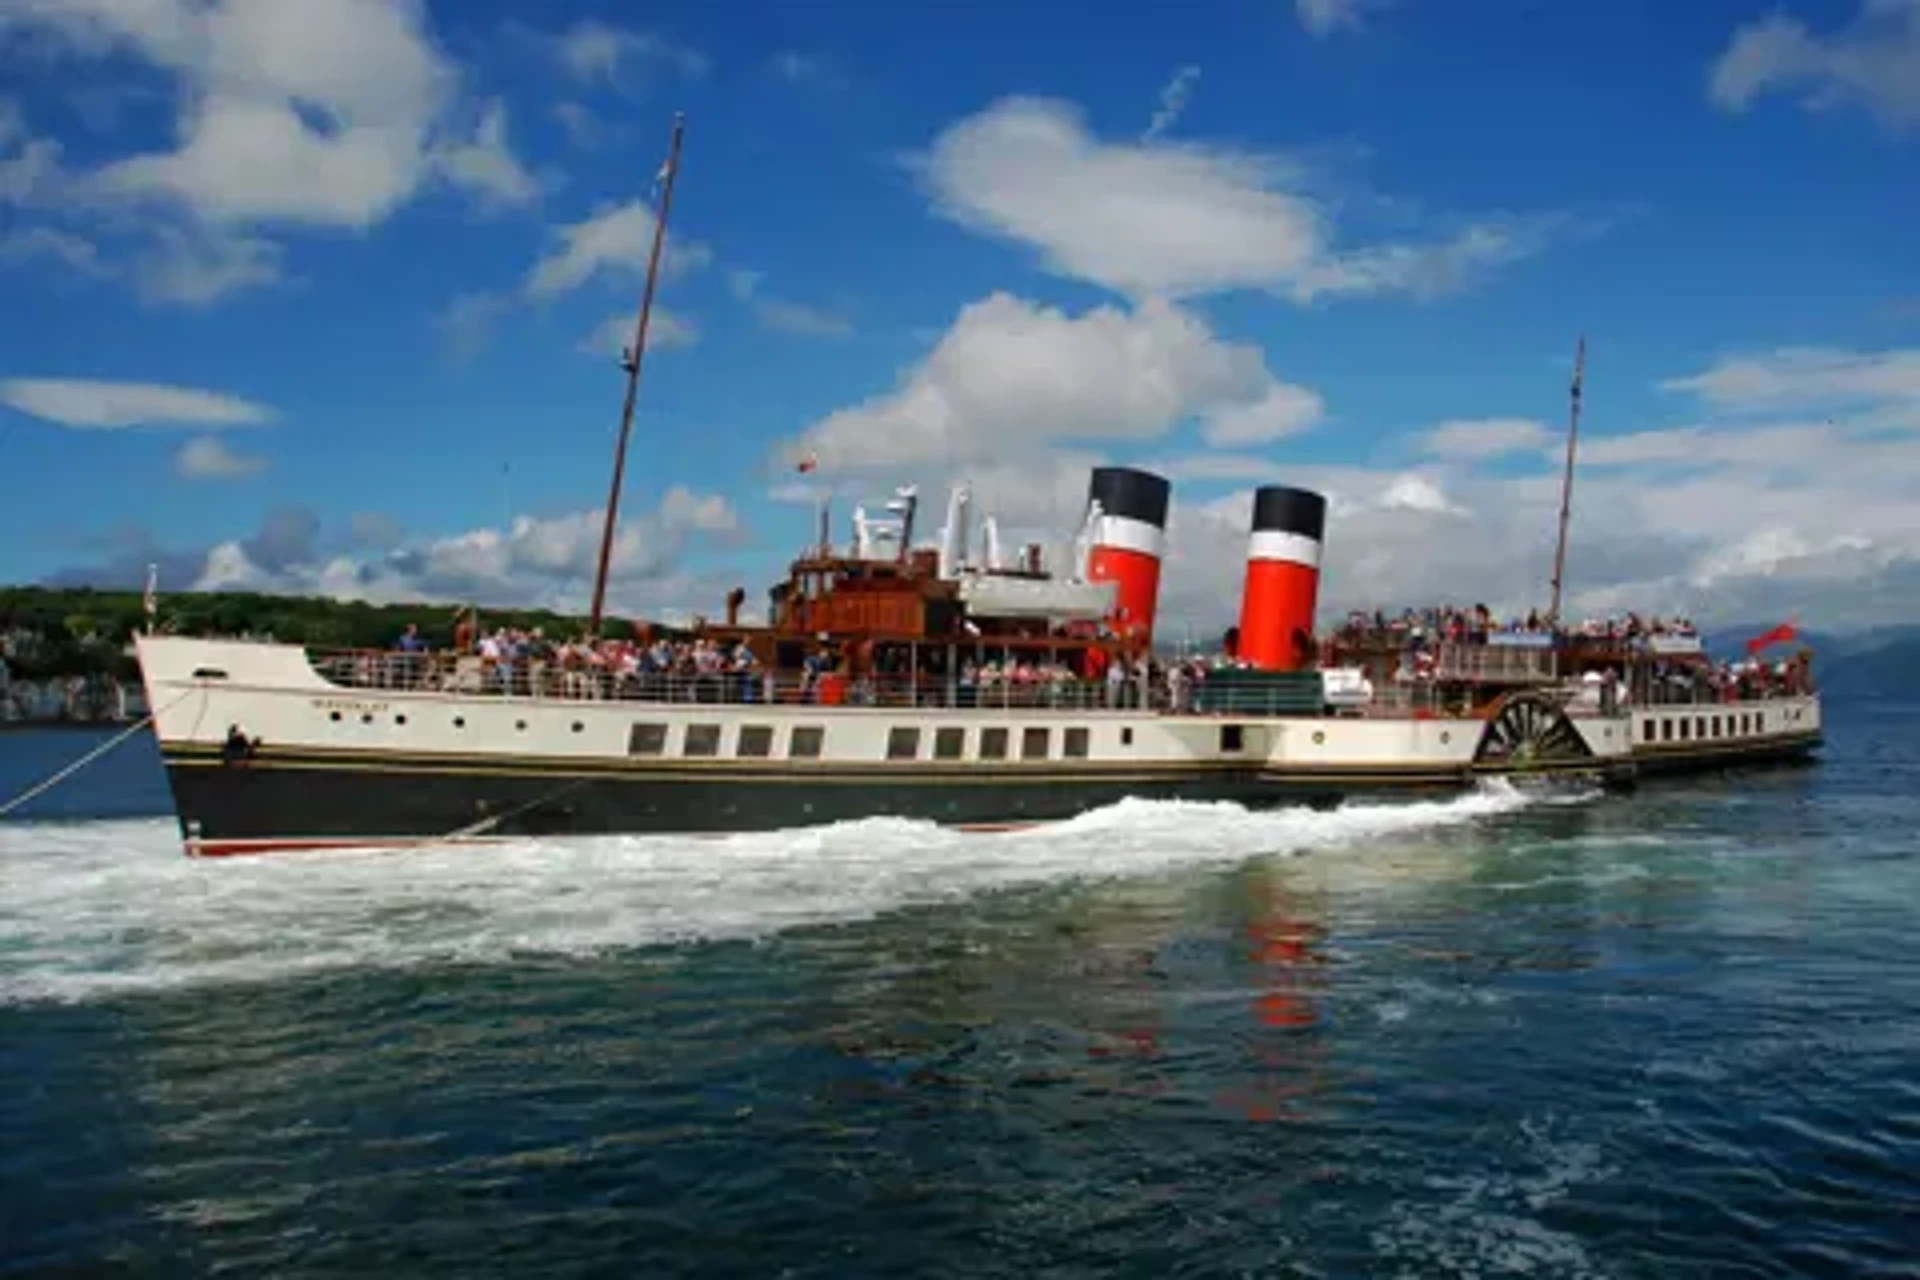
630	361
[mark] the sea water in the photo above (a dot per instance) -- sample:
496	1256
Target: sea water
1675	1032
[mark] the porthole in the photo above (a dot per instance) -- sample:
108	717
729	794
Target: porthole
459	722
399	719
519	724
1446	736
578	727
366	717
1319	736
335	717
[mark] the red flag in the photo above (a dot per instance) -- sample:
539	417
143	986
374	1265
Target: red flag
807	464
1779	635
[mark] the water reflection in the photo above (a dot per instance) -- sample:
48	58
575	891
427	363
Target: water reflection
1285	931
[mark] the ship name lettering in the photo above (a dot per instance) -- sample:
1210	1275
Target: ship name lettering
348	704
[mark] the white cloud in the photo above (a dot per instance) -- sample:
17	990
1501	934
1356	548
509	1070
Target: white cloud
664	329
1284	410
1323	17
799	318
801	68
77	253
614	238
1873	62
30	172
593	52
1173	102
783	315
288	114
582	126
1808	378
210	458
467	322
75	402
536	561
1471	438
1010	376
1156	218
485	163
194	267
1736	521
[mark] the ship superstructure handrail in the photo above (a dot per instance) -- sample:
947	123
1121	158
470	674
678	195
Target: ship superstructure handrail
447	673
467	674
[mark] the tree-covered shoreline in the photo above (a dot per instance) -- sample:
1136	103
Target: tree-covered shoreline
56	632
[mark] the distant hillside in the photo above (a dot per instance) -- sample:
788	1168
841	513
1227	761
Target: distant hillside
1890	669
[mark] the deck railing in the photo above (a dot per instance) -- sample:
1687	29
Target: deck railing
449	673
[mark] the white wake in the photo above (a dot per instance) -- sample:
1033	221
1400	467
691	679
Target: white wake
100	908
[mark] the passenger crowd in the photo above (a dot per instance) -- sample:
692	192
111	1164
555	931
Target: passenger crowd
1397	652
1420	628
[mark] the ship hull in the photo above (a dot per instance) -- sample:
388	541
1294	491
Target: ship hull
266	804
273	804
263	754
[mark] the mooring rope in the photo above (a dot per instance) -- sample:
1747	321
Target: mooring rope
41	788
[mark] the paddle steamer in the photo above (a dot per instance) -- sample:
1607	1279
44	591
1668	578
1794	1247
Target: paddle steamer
931	681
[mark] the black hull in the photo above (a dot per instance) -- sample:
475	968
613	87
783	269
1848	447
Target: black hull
288	802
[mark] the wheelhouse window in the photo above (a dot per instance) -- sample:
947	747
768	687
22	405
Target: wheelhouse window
647	740
701	740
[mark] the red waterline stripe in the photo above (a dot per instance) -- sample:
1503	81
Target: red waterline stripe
246	848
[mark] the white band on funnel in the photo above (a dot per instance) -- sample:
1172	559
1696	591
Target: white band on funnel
1278	544
1123	533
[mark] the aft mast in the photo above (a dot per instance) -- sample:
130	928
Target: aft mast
630	361
1566	483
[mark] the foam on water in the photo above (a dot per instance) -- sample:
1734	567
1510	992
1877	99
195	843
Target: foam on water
95	909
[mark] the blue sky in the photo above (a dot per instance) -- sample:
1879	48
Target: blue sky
316	297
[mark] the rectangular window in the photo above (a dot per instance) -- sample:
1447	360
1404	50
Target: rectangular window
1686	728
1126	736
647	740
1649	730
949	743
702	740
993	744
903	742
1716	726
756	740
1034	743
1074	745
805	742
1233	737
1666	731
